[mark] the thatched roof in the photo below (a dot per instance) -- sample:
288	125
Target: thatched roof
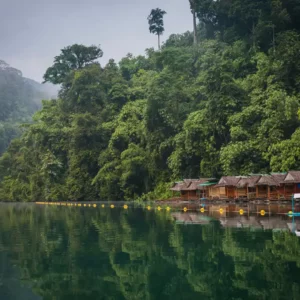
248	181
271	180
177	187
279	177
189	184
228	181
266	180
275	179
193	184
292	177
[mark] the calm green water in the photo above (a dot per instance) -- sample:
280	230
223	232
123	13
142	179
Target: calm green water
73	253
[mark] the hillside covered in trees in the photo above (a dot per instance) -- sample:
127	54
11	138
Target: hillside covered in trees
224	100
20	97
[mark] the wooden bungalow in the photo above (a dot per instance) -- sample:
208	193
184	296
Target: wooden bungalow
270	186
177	188
291	184
194	188
204	187
225	189
191	189
245	188
277	192
276	186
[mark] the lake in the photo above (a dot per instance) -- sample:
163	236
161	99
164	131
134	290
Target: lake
62	252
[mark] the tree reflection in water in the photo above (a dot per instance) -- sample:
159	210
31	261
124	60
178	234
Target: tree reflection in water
96	253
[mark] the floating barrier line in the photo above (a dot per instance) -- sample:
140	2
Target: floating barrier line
185	209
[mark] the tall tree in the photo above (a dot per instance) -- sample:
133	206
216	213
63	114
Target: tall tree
156	23
71	58
193	8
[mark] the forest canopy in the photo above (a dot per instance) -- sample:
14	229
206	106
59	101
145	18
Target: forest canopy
225	105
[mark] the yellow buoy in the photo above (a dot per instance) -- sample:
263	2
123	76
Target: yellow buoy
158	208
102	205
125	206
148	207
112	206
290	213
168	208
185	209
84	205
95	205
79	205
241	211
262	212
202	210
221	210
89	205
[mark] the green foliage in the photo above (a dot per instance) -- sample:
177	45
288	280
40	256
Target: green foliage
227	106
155	20
71	58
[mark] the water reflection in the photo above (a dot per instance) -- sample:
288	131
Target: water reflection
253	222
96	253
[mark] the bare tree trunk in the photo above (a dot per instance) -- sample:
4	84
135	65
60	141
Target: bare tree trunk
195	27
158	41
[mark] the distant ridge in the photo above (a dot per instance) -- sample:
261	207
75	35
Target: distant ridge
20	98
49	90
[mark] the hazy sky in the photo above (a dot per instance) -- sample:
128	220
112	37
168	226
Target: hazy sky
32	32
